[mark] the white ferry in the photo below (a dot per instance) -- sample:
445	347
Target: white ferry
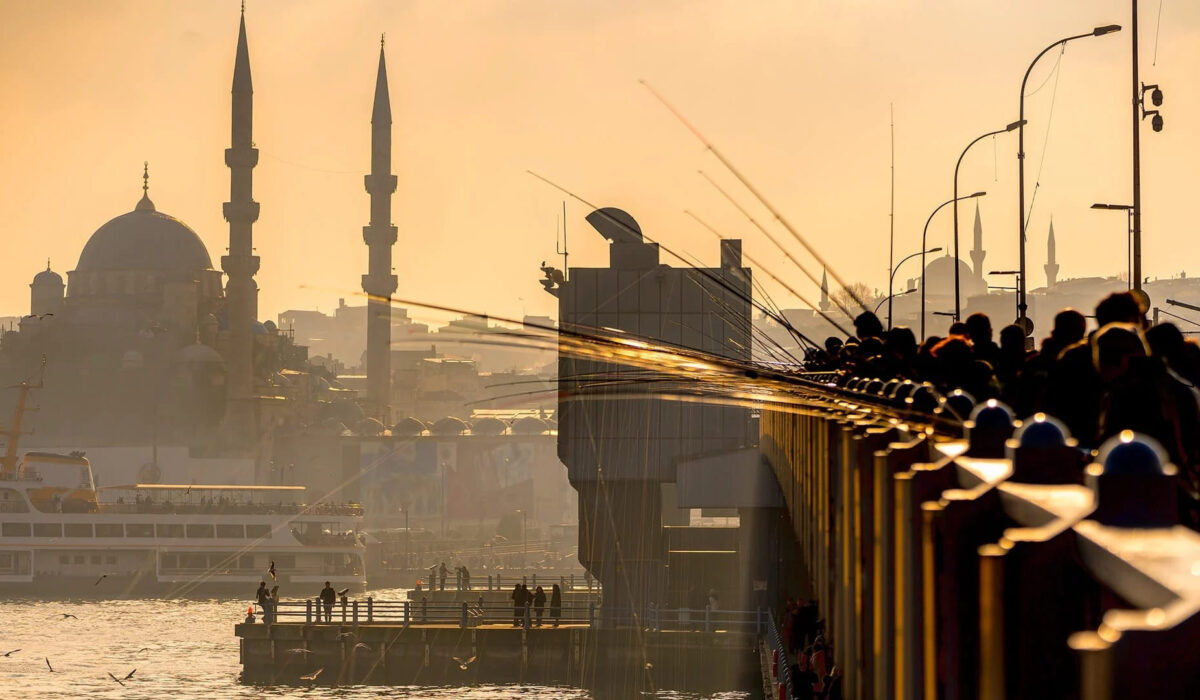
60	535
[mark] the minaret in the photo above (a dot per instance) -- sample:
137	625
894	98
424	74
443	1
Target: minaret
379	283
241	291
1051	266
824	292
977	251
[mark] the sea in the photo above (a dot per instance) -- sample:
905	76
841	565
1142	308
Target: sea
183	649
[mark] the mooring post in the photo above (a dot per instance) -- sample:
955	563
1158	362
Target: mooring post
462	620
307	612
370	610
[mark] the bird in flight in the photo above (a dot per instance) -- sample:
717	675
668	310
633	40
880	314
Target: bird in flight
313	676
130	674
346	635
49	666
102	577
343	592
298	650
10	653
463	664
118	680
66	615
271	570
140	651
362	646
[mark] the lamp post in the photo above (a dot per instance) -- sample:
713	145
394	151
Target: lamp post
925	233
890	297
1021	306
524	538
1129	240
1015	288
1010	127
892	278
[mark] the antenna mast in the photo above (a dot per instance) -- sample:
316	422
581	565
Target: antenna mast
563	252
8	464
892	216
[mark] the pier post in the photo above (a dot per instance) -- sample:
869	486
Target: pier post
462	620
489	582
355	611
527	624
424	609
307	612
370	610
407	617
343	611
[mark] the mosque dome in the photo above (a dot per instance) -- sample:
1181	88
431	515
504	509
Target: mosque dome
939	276
48	278
144	240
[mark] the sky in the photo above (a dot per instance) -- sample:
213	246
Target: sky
798	94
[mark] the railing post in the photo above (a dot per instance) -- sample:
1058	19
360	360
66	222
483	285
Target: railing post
489	582
424	609
343	611
407	616
355	612
535	580
525	580
591	614
758	614
462	621
370	610
308	612
527	624
708	618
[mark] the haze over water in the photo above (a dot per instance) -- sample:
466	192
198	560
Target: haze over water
190	650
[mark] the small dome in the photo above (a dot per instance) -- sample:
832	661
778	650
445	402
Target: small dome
529	426
939	277
199	354
449	426
144	239
47	278
409	427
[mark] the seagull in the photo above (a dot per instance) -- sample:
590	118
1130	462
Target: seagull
130	674
342	593
49	666
298	650
102	577
362	646
463	664
271	570
141	650
66	615
313	676
10	653
118	680
346	635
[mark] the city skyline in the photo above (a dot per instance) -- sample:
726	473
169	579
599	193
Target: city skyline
481	94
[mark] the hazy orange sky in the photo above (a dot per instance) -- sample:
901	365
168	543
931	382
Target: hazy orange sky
795	92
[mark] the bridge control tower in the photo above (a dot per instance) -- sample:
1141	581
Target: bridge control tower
624	446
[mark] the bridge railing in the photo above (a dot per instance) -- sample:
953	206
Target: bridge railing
367	611
985	567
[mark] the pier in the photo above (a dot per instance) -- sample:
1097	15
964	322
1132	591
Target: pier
369	641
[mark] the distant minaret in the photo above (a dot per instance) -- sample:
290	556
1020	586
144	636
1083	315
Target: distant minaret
824	292
379	283
1051	265
241	291
977	252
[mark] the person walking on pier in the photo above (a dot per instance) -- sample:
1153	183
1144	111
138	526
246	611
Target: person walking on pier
328	595
264	601
556	604
539	604
518	599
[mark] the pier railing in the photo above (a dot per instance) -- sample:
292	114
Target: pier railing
423	612
504	581
989	567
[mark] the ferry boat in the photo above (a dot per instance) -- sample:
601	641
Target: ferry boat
60	535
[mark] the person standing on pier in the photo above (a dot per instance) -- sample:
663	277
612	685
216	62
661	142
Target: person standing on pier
518	599
264	601
442	576
328	595
539	604
556	603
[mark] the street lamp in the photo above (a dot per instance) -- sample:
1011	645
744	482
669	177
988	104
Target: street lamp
1021	305
892	278
1010	127
1015	288
889	298
1128	209
924	233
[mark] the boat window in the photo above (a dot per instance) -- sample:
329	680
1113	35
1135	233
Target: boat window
202	530
11	502
193	561
14	529
109	530
78	558
235	531
169	530
139	530
95	558
77	529
110	559
47	529
168	561
257	531
246	561
64	559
